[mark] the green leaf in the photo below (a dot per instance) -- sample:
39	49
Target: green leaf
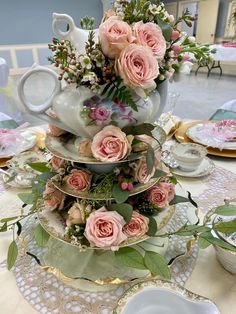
208	237
125	210
26	198
159	174
226	227
152	226
191	230
39	166
143	128
8	219
45	176
203	243
119	195
165	27
12	255
41	236
179	199
157	264
130	257
150	156
3	228
105	89
226	210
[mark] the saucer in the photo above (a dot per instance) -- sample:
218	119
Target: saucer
158	296
206	167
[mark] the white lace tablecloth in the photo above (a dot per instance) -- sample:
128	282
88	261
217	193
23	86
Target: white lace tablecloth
208	278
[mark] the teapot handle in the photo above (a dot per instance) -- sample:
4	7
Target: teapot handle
57	19
43	107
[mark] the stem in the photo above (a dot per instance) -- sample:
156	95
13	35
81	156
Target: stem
22	217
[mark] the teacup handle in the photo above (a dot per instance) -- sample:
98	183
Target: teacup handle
47	103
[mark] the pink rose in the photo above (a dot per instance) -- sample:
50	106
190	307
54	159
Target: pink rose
114	35
150	34
53	198
57	163
77	214
55	131
141	170
104	229
79	180
158	196
110	144
137	226
101	115
138	67
85	148
170	188
177	49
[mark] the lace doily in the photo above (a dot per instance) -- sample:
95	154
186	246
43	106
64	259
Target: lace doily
48	295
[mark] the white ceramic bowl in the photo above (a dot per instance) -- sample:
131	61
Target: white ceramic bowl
226	258
188	155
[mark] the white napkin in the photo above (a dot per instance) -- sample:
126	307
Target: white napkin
169	122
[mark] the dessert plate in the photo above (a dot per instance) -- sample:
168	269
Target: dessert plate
181	137
29	140
204	134
65	147
157	296
54	224
138	188
206	167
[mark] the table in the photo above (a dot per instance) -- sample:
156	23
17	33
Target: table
208	278
223	54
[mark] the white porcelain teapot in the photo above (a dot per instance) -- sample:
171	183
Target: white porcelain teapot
75	35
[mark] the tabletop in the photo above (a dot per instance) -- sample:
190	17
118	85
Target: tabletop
208	279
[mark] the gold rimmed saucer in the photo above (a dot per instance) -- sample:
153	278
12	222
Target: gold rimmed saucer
182	137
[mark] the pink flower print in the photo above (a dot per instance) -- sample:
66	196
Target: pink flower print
119	105
128	117
101	115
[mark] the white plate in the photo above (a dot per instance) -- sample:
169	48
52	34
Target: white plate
162	297
197	133
20	162
29	140
67	148
206	167
21	180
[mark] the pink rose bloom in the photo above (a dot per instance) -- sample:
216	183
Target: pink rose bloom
170	188
138	67
150	34
158	196
100	114
104	229
137	226
77	214
55	131
57	163
114	35
53	198
175	35
79	180
141	174
110	144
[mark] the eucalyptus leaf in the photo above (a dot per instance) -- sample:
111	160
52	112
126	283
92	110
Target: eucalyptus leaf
41	236
12	255
26	198
125	210
226	227
150	157
159	174
3	228
191	230
152	226
130	257
39	166
8	219
45	176
157	264
207	236
179	199
119	195
165	27
203	243
226	210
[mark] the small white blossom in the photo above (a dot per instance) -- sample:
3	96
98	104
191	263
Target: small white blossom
85	62
90	77
192	39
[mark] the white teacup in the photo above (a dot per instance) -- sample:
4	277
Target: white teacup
188	155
